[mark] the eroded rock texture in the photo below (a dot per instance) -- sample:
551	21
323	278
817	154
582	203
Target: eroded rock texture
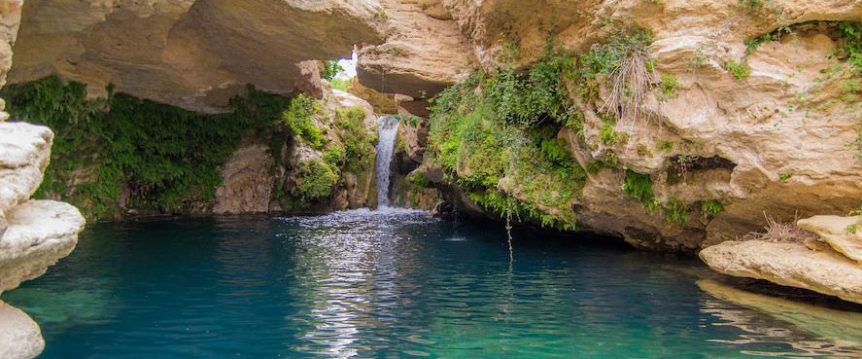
20	336
195	54
424	51
774	141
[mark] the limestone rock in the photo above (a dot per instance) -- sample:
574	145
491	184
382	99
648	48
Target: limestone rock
422	53
246	181
25	151
10	19
195	54
788	264
836	231
39	234
20	336
382	103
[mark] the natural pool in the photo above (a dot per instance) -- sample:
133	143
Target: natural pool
395	284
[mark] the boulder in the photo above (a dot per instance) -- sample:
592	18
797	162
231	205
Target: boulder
20	336
839	233
788	264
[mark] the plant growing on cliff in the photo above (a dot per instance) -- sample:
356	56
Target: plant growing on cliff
739	70
711	208
316	180
299	120
331	69
625	62
357	139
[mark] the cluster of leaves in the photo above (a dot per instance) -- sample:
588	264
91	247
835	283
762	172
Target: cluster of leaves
299	120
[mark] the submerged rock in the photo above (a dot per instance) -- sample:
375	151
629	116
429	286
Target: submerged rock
20	337
788	264
838	232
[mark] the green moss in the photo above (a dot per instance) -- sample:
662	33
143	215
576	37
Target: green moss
418	179
665	146
785	176
676	211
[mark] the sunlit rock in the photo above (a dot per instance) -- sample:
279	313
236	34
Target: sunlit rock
788	264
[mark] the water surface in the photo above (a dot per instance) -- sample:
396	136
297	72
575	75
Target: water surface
395	284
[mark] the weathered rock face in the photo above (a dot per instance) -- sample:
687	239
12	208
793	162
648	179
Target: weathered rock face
247	182
20	337
745	142
195	54
788	264
37	233
423	52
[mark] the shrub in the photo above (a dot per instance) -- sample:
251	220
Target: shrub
316	180
776	231
607	134
668	85
330	70
740	70
711	208
299	119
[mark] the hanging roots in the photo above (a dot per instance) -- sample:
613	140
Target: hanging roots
630	85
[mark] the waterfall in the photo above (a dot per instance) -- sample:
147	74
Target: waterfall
387	127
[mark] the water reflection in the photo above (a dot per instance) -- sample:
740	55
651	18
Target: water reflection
826	332
393	284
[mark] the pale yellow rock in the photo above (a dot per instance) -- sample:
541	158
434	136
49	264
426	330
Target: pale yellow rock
192	53
20	336
788	264
25	151
423	53
836	231
39	234
246	181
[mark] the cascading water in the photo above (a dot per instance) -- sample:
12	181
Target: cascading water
387	128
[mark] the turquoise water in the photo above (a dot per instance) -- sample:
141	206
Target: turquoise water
397	284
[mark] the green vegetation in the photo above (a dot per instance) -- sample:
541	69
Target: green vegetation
504	125
120	152
162	158
331	69
317	180
711	208
358	141
785	176
299	119
740	70
668	85
639	187
665	146
607	134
